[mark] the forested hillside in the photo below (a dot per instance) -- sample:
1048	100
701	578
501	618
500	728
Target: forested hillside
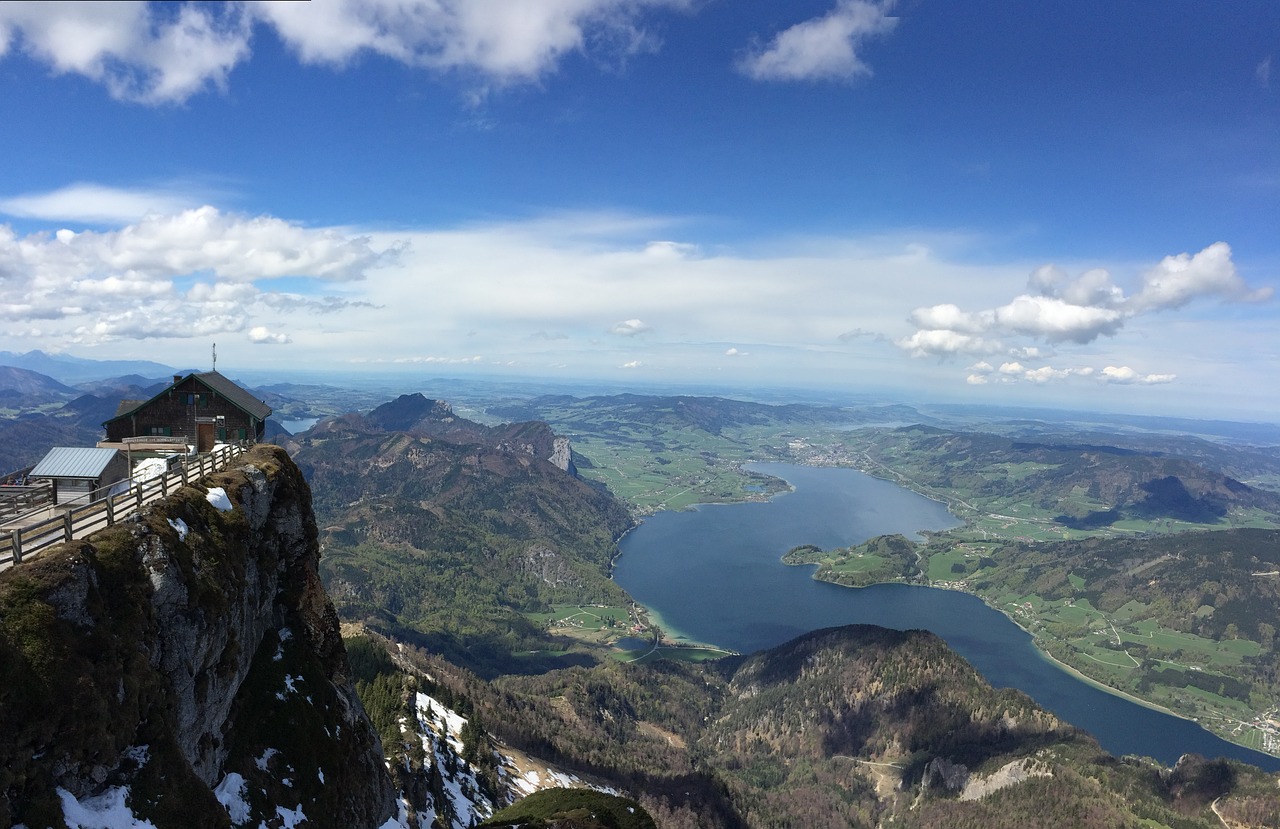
448	533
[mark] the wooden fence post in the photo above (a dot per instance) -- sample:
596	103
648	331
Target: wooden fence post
138	496
16	540
68	525
111	510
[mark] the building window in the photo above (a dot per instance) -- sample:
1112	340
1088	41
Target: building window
160	431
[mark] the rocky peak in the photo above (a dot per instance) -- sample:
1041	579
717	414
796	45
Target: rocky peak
186	664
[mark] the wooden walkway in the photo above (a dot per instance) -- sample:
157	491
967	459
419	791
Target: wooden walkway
23	538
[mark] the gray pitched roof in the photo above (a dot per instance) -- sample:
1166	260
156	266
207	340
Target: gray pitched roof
127	406
74	462
241	398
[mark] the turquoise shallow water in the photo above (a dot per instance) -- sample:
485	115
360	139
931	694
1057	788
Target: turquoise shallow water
714	575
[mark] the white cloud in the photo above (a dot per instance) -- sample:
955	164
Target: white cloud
942	342
951	318
150	53
546	292
1179	279
824	48
1063	310
670	250
1056	320
501	40
631	364
157	53
261	335
1124	375
87	202
188	274
1263	72
629	328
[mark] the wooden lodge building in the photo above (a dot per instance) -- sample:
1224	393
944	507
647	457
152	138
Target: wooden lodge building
202	408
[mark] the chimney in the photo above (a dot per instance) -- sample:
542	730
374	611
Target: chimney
177	378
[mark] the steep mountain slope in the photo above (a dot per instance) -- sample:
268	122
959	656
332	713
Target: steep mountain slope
448	532
186	667
854	726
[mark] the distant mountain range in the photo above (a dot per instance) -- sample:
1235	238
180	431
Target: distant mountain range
68	369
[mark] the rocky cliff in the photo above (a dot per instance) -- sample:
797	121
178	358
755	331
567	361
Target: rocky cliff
186	667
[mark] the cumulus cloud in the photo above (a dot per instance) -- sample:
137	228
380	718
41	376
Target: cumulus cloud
188	274
150	53
156	53
1014	372
1059	308
1179	279
504	41
1124	375
735	352
260	335
945	342
629	328
824	48
631	364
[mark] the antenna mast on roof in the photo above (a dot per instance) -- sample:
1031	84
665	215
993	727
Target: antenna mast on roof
215	356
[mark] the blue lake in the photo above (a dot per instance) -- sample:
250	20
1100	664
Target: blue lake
714	575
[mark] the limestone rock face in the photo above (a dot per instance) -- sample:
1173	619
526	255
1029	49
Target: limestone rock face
176	651
562	455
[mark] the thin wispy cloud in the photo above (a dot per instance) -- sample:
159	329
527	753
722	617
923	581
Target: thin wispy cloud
97	204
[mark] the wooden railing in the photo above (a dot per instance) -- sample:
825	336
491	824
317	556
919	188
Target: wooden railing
18	500
98	510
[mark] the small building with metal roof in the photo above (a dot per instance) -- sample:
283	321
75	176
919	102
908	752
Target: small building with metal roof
80	473
203	408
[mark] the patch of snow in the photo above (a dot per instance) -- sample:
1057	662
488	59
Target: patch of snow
180	527
285	635
145	470
218	497
289	679
452	722
262	761
320	774
109	810
138	754
230	793
401	819
290	818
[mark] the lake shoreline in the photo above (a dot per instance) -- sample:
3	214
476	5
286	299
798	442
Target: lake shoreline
717	574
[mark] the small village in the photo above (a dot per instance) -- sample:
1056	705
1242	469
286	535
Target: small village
191	427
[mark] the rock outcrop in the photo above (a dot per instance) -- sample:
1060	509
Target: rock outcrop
187	664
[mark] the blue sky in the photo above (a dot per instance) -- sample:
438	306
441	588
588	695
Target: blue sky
1040	203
